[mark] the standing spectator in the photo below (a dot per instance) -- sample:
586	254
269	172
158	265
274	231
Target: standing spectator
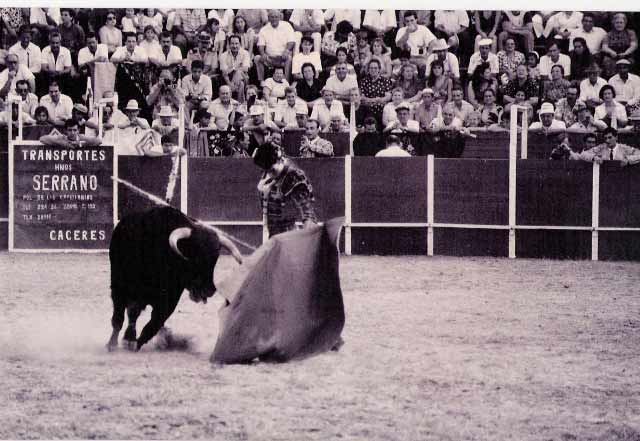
72	34
131	80
449	61
305	55
14	73
342	83
619	42
205	54
552	58
109	34
234	65
246	34
556	88
275	44
186	25
581	59
611	111
516	23
307	23
592	35
169	56
590	87
522	81
333	17
58	105
509	58
323	108
427	110
311	145
28	53
484	55
452	26
565	107
487	23
416	38
393	149
196	88
56	63
375	89
626	86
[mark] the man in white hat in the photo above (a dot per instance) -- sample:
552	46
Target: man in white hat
165	123
440	51
626	85
548	124
133	110
404	123
484	55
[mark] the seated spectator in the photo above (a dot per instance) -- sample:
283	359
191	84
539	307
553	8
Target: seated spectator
150	19
520	100
361	112
361	61
165	93
80	113
224	105
28	53
273	88
584	120
333	18
131	61
427	110
323	108
403	122
383	54
490	112
473	121
370	125
487	24
92	53
275	45
28	100
72	35
533	60
196	88
342	83
415	38
129	22
626	86
375	90
619	42
344	37
234	65
516	23
169	56
251	95
452	25
484	55
254	18
565	107
311	145
56	63
202	120
41	115
150	42
244	32
307	23
224	16
481	80
389	113
132	110
556	88
309	87
509	58
111	118
341	57
562	25
581	59
610	111
590	87
285	115
547	124
166	122
460	107
411	85
186	25
58	105
440	52
522	81
592	35
217	34
302	116
439	82
610	150
258	128
72	138
380	24
446	121
552	58
110	34
404	59
393	149
305	55
337	124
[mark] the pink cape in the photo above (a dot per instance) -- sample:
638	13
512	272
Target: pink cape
285	299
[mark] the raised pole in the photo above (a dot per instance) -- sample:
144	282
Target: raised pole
513	157
595	211
430	213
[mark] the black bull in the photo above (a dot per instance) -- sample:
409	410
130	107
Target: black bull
155	256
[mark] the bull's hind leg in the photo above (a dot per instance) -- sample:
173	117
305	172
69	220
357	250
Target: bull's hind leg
133	312
117	319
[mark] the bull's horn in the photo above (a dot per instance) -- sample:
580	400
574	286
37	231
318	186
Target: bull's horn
175	236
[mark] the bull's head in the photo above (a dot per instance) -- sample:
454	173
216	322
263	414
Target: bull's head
201	253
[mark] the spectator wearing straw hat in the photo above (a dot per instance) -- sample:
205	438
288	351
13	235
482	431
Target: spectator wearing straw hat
302	116
440	51
547	123
484	55
404	123
257	127
133	120
165	123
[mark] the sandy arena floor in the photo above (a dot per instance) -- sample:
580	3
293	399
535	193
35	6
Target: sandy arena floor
436	349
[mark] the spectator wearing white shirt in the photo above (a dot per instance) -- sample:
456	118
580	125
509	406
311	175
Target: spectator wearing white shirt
151	18
14	73
150	42
56	63
611	111
552	58
446	121
285	115
548	124
484	55
28	100
130	52
275	45
169	55
305	55
325	106
593	35
93	52
590	87
58	105
452	24
450	62
562	25
222	106
626	86
196	87
342	83
334	16
379	22
224	16
28	53
393	149
234	66
403	123
307	23
416	38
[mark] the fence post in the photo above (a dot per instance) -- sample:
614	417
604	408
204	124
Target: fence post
352	127
513	157
184	166
524	147
430	213
595	211
347	205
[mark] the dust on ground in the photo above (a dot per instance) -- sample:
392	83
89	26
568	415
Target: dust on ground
436	349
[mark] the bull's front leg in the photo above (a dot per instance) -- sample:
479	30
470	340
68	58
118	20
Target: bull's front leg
133	312
161	312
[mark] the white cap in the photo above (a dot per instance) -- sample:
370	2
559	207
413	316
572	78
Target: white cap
485	42
546	108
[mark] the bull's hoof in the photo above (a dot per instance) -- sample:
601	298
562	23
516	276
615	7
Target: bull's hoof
338	345
130	345
111	346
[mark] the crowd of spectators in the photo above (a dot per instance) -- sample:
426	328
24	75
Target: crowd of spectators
256	72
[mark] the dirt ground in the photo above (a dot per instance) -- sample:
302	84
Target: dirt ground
436	349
